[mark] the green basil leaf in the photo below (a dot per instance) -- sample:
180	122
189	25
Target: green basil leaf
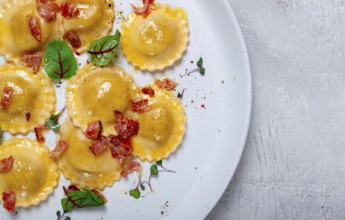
104	49
81	199
154	169
59	61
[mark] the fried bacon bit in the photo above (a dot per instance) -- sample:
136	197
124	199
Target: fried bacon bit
140	106
99	146
69	10
130	167
47	9
72	188
73	39
125	127
35	28
6	164
28	116
148	91
6	97
39	133
120	148
9	199
94	130
33	60
146	9
166	84
60	148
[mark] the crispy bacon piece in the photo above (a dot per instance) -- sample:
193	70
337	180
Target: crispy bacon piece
6	97
39	133
60	148
35	28
73	39
120	148
47	9
166	84
6	164
72	188
33	60
94	130
148	91
125	127
140	106
9	199
99	146
130	167
145	10
69	10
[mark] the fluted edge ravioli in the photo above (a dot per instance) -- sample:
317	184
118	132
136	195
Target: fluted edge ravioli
95	20
81	166
33	175
161	129
34	94
94	93
157	41
16	38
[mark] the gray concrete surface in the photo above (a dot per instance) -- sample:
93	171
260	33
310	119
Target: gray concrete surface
293	166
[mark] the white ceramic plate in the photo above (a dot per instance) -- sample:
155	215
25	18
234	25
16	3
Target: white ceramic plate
215	137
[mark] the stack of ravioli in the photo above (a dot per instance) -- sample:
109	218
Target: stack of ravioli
150	43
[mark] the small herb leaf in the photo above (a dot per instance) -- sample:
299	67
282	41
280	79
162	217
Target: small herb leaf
104	49
154	169
135	193
81	199
53	123
200	62
59	61
159	163
58	213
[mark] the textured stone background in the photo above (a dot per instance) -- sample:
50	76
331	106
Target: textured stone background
293	166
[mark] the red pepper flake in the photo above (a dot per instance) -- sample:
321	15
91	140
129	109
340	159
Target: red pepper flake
94	130
33	60
148	91
140	106
9	199
28	116
166	84
203	106
69	10
99	146
73	39
120	148
39	133
6	164
6	97
60	148
35	28
47	9
125	127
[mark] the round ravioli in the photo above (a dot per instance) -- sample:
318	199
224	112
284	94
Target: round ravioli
161	129
33	175
156	41
81	166
95	19
95	93
16	38
32	99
